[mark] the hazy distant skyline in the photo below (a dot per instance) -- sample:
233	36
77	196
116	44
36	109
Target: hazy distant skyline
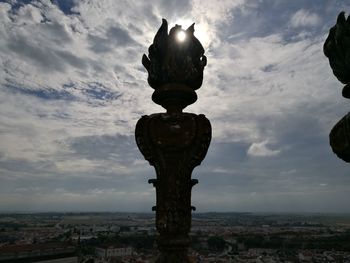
72	87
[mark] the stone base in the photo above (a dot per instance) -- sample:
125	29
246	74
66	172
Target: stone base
346	91
173	249
339	138
174	97
174	257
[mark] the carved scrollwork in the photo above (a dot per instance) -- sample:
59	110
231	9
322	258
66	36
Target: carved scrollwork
174	145
174	142
164	132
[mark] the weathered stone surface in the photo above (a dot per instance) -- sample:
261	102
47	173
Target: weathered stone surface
339	138
337	49
171	61
174	145
174	142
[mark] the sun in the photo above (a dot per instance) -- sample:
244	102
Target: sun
201	31
181	36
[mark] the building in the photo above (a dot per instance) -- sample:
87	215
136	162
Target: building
43	253
109	251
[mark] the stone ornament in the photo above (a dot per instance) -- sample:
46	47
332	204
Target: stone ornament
337	49
172	62
174	142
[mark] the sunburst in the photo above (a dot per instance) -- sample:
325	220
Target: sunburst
201	31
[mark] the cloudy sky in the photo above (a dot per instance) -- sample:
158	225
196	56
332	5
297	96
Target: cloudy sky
72	88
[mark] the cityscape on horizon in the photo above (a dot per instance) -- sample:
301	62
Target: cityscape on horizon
127	237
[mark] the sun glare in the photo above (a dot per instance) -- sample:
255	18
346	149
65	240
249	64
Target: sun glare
181	36
201	31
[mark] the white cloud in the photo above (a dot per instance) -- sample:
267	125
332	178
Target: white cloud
72	88
215	12
221	170
304	18
288	172
261	149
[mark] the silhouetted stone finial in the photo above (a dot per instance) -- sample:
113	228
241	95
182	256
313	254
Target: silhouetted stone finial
171	61
337	49
174	142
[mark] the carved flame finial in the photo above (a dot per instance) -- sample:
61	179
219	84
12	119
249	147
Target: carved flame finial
171	61
337	49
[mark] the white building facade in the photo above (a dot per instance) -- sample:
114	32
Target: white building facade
108	252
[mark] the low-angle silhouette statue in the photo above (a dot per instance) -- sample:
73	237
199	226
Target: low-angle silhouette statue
174	142
337	49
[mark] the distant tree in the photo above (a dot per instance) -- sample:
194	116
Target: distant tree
87	250
216	243
124	229
196	244
139	242
254	241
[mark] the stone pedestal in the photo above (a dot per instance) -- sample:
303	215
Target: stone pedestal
174	142
339	138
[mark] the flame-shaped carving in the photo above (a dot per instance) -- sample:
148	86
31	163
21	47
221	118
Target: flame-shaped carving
337	49
171	61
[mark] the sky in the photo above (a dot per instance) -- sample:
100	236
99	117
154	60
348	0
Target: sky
72	88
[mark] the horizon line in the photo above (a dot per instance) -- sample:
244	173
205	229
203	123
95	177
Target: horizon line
151	212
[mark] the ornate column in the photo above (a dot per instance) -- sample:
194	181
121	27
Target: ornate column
174	142
337	49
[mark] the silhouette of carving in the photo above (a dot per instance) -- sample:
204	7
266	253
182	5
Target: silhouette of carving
339	138
174	142
337	49
173	62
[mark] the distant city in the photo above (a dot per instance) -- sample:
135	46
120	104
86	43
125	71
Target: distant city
216	237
